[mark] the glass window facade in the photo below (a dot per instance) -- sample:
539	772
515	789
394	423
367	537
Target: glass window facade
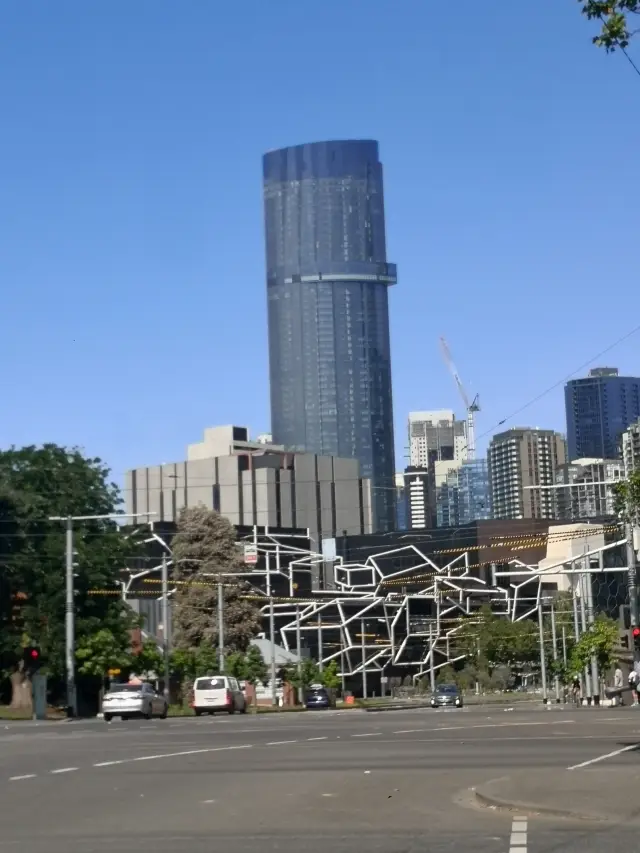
327	290
465	496
599	409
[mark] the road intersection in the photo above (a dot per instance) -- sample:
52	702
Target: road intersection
350	780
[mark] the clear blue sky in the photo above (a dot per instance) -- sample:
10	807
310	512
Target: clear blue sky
131	247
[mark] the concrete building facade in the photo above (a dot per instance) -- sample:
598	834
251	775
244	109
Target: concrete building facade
517	460
589	492
631	449
260	485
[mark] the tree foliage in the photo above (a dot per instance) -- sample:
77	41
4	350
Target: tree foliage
255	669
600	640
616	27
205	546
330	677
627	497
303	678
36	483
489	640
101	652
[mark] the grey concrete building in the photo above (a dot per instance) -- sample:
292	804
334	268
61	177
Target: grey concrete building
253	483
519	459
589	488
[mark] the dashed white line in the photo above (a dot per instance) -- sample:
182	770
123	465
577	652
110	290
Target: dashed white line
19	778
518	842
604	757
408	731
324	737
368	734
280	742
64	770
108	763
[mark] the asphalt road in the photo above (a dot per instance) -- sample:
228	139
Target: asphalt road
349	781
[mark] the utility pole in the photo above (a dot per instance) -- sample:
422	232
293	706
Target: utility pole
165	625
69	607
554	637
632	581
221	626
272	631
299	653
576	622
364	659
564	646
320	649
583	620
543	661
432	672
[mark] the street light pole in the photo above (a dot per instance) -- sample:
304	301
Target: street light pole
543	662
69	607
554	637
165	625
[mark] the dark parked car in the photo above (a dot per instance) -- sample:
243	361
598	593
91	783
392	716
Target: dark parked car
318	697
446	696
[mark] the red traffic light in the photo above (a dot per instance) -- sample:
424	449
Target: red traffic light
35	654
636	631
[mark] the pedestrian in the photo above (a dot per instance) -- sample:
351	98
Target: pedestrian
633	684
618	683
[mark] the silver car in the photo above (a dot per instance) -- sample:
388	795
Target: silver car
133	700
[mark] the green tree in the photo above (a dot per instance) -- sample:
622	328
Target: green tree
235	665
489	641
147	660
600	640
101	652
205	546
330	677
615	21
256	670
627	497
307	675
36	483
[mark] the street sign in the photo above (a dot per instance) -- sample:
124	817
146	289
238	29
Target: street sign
250	555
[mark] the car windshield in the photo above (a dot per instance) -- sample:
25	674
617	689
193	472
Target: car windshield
125	688
448	689
209	683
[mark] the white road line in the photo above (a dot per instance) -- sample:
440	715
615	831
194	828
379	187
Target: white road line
518	841
64	770
108	763
186	752
19	778
368	734
604	757
324	737
280	742
409	731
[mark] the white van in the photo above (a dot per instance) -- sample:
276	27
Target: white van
213	693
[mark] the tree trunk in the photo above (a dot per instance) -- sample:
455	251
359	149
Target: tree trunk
21	698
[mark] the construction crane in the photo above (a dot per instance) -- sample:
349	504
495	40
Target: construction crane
471	407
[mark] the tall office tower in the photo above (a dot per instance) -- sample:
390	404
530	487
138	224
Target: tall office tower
599	409
520	458
437	443
327	292
463	494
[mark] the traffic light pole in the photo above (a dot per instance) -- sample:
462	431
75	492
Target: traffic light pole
632	586
69	607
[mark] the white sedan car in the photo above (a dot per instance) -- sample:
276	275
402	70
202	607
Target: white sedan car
133	700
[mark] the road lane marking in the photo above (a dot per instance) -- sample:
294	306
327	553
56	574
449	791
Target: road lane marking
518	841
324	737
604	757
64	770
409	731
280	742
185	752
368	734
19	778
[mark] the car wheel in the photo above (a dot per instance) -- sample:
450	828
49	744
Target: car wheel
124	718
107	717
165	713
243	710
197	711
148	715
232	709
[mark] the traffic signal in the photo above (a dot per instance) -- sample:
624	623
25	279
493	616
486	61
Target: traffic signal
32	658
636	636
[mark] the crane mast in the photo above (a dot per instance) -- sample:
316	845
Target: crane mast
471	407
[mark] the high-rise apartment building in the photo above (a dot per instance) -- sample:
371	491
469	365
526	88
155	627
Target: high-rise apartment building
464	494
599	409
327	290
631	449
437	442
589	488
518	459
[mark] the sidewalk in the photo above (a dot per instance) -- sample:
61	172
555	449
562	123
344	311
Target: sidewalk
597	794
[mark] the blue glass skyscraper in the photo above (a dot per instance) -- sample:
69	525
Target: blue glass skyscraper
327	290
599	409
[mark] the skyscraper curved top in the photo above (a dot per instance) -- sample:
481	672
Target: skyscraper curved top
327	289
